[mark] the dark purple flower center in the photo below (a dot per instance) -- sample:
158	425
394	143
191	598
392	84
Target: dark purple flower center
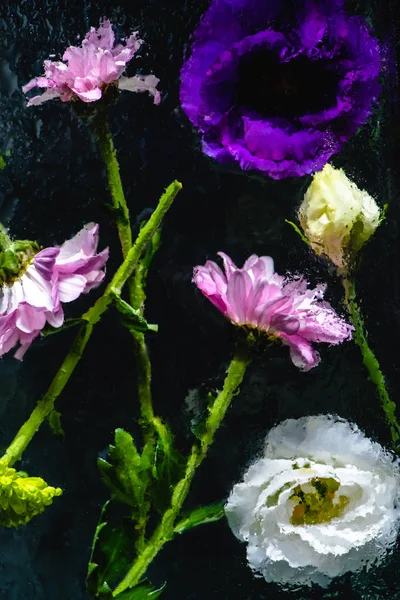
285	89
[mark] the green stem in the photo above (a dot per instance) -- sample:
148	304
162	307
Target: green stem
108	153
369	359
137	295
165	530
91	317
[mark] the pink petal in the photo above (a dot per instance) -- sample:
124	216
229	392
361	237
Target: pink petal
263	267
56	319
103	37
49	94
288	324
302	353
141	83
36	290
20	353
8	340
108	69
71	287
229	265
237	293
30	319
79	247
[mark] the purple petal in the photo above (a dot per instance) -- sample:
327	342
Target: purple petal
44	262
323	36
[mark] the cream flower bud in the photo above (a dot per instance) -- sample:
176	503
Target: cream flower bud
322	501
336	216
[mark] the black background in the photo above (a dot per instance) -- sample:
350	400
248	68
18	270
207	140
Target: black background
55	182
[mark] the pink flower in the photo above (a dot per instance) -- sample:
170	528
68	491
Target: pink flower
90	68
52	277
255	296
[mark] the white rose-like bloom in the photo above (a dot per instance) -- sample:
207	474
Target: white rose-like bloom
324	500
336	216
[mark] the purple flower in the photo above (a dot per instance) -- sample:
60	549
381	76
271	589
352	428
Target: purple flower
276	93
53	276
257	297
91	68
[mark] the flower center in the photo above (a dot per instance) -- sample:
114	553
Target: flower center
316	502
285	89
15	260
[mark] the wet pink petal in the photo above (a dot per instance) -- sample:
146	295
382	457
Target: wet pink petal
141	83
88	69
238	290
281	307
35	298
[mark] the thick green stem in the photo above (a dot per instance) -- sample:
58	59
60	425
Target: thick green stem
165	530
109	156
91	317
370	360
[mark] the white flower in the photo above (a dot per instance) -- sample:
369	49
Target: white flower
324	500
336	216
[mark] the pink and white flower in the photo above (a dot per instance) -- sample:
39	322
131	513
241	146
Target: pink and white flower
88	69
255	296
53	276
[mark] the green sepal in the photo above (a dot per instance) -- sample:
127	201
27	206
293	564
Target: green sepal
142	591
22	497
3	163
54	420
111	552
201	516
68	323
131	318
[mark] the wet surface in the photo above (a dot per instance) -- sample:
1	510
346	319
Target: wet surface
54	182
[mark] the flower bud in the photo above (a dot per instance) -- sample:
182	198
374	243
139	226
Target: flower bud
22	497
336	216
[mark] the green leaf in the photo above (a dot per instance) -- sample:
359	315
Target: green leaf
143	591
168	467
124	471
109	476
132	319
201	516
111	551
298	231
54	420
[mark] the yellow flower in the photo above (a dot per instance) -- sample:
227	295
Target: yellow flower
336	216
22	497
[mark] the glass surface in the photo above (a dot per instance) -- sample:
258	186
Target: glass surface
54	182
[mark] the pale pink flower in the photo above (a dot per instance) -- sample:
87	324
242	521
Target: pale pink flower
53	276
255	296
88	69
